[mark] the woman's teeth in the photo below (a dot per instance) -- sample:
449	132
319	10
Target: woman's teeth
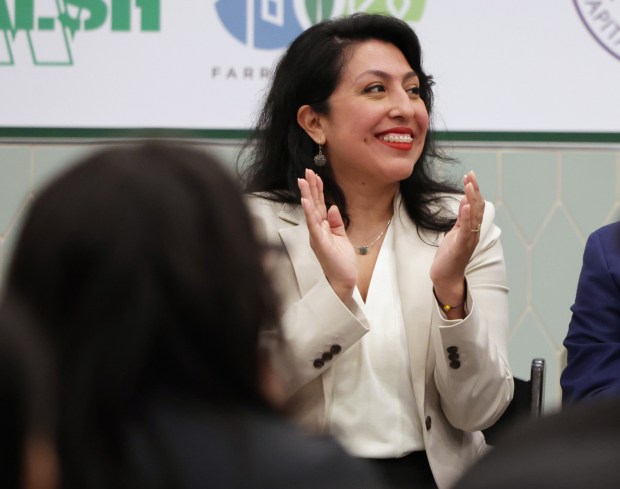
398	138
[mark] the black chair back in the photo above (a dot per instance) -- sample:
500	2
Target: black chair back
527	402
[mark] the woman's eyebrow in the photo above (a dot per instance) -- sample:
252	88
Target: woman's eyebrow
387	76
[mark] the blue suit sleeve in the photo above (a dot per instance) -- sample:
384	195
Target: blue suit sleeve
593	339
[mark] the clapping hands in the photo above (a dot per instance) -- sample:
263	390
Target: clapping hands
457	247
328	237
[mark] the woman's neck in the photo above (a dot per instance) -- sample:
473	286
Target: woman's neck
368	207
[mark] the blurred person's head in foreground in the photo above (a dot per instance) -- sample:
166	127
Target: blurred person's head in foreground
577	448
142	265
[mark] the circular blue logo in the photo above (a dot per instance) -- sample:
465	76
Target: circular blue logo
273	24
258	23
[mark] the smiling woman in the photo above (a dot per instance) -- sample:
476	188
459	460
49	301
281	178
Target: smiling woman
377	122
393	282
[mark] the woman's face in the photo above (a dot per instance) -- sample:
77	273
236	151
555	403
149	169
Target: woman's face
377	122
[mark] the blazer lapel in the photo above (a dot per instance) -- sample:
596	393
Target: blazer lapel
308	272
297	242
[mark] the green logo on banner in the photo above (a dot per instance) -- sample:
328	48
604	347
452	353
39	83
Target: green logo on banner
408	10
49	26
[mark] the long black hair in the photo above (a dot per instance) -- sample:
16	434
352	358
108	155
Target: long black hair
280	150
142	264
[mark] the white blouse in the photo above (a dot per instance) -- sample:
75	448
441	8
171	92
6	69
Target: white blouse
374	375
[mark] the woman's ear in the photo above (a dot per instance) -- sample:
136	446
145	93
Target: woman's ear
311	122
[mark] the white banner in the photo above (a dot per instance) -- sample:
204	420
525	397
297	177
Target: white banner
510	65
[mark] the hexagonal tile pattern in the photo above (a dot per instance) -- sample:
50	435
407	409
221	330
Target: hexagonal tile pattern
529	188
548	200
227	156
15	181
517	264
485	165
49	161
589	183
8	241
555	271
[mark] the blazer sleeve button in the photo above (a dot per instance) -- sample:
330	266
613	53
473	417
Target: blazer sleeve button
327	356
428	423
452	349
335	349
318	363
455	364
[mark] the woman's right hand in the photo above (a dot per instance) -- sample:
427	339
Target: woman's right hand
328	237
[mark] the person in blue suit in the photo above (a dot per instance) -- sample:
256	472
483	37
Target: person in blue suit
593	339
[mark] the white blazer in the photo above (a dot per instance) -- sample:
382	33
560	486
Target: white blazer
457	392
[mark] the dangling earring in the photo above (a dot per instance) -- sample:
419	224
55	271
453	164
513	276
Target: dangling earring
320	159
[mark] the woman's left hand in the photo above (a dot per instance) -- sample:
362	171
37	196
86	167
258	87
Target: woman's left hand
457	247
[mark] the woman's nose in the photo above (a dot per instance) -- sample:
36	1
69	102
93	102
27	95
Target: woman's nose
401	105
